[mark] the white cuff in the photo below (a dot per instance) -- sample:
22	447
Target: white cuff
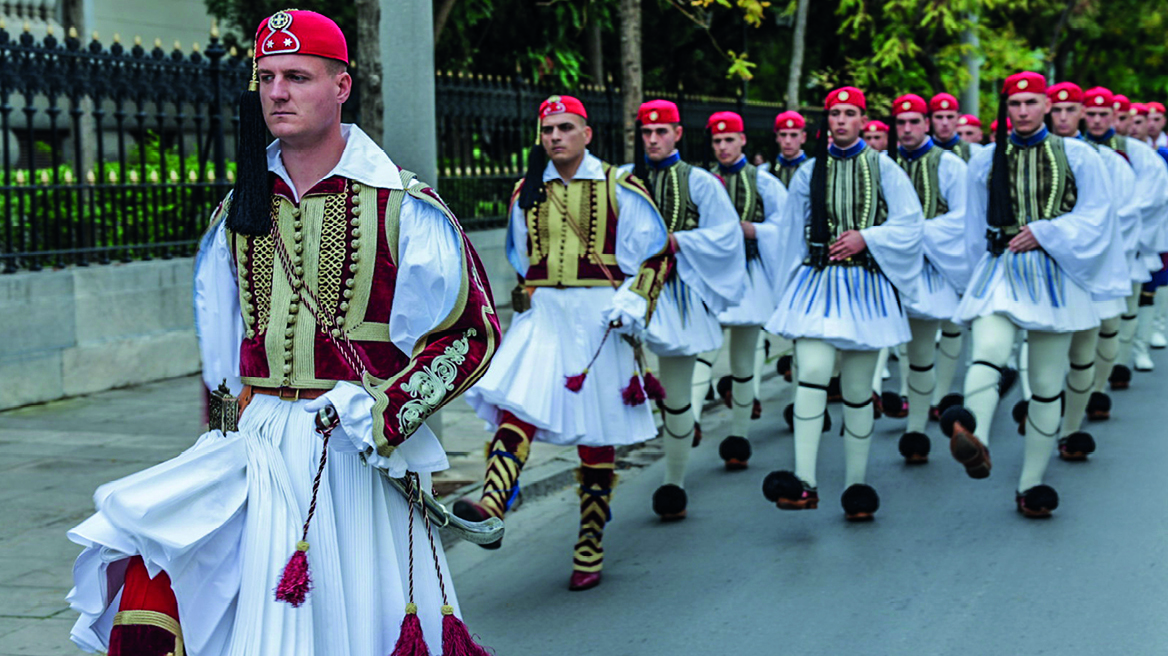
627	307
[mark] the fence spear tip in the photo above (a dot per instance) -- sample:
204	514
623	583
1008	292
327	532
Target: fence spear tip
73	32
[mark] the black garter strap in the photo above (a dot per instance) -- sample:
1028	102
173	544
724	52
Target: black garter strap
858	405
822	388
742	380
1108	335
950	335
706	362
1128	317
1048	399
679	411
1082	367
913	367
987	364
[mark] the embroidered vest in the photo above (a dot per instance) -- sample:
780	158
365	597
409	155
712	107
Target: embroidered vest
785	173
337	240
557	257
924	172
743	189
962	149
1042	185
671	195
855	200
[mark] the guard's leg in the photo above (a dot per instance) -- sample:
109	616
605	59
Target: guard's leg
676	375
968	427
1080	377
1159	338
702	381
760	358
948	351
856	367
1121	374
735	449
147	620
597	477
1145	322
1106	351
506	454
1048	365
921	379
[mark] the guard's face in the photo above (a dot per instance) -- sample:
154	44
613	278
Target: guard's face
564	137
790	142
1139	126
877	139
1123	123
845	123
302	96
1064	118
1098	120
1155	124
969	133
728	147
1026	111
660	139
911	129
944	124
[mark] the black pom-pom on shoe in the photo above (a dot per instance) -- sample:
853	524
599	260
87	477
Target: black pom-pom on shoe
1021	409
784	367
895	406
725	384
1076	446
784	489
915	448
1038	502
1006	381
954	415
669	502
1120	378
735	451
860	503
1099	407
949	401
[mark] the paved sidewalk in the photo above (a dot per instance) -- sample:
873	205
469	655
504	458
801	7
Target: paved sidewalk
53	456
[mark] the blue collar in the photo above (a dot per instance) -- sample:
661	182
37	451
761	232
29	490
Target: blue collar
951	144
733	168
849	152
1103	138
913	155
799	159
665	163
1032	140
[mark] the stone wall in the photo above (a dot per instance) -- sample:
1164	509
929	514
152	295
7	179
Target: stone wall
88	329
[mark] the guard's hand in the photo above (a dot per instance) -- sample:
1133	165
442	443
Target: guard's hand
850	243
748	229
1023	241
340	440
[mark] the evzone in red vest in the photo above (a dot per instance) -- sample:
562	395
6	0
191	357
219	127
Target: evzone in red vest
589	247
338	286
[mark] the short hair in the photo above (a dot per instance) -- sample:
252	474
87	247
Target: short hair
335	67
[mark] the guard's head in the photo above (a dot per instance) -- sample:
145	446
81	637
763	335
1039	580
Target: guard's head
943	114
1155	119
969	128
1026	101
302	66
660	128
1066	109
1139	120
912	125
876	135
727	136
1098	110
790	133
846	114
1123	116
563	129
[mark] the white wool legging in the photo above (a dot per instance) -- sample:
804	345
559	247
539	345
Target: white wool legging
677	379
993	339
922	376
816	362
1080	377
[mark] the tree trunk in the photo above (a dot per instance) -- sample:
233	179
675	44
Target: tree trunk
797	43
1052	51
440	16
73	15
631	77
595	45
367	73
972	60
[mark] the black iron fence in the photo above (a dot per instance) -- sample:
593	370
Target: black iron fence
111	154
486	124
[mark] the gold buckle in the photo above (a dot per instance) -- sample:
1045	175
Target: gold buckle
286	396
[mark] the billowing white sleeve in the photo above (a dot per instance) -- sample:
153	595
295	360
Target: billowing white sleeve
977	193
793	220
1080	239
218	320
640	234
712	257
516	243
896	243
1152	187
1126	220
429	279
944	235
769	231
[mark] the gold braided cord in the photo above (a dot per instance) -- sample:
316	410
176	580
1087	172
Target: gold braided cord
333	250
155	619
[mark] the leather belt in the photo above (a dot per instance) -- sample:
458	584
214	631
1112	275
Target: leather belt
290	393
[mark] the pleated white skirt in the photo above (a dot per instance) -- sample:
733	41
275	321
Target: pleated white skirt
849	307
553	340
222	520
682	324
1031	289
936	298
758	299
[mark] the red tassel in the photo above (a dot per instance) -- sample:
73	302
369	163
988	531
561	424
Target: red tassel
576	383
456	640
410	641
634	394
653	387
296	580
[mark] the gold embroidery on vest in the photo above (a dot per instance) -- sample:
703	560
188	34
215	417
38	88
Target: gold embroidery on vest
429	386
333	232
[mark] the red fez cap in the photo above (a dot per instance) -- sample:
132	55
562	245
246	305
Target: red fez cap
943	102
970	120
909	103
876	126
1121	103
790	120
1155	107
1065	92
1024	82
658	111
561	105
299	32
994	125
1099	97
846	96
724	122
1138	109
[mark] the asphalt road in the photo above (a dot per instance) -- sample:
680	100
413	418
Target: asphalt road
948	566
